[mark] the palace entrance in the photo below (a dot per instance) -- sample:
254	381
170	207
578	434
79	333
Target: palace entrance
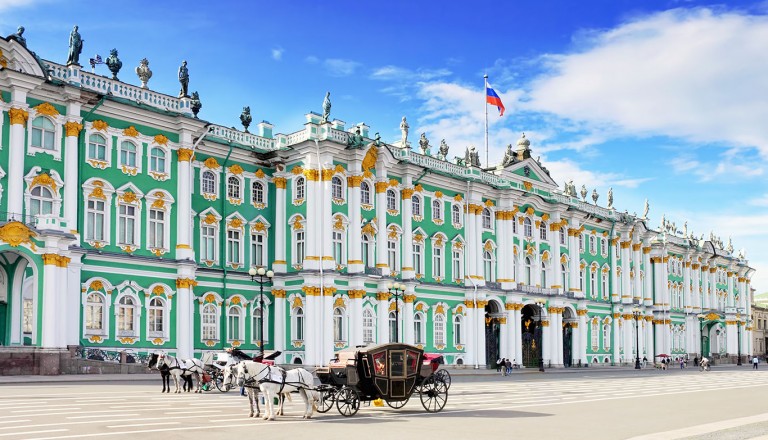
19	304
568	322
531	337
492	333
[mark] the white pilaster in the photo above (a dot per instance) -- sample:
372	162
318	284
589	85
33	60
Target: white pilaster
17	131
184	200
280	265
50	316
381	224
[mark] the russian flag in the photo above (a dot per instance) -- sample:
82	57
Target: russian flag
492	98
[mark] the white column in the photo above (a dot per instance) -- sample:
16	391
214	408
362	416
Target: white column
382	312
50	316
582	345
312	228
705	288
616	337
381	225
502	275
184	314
406	247
649	337
546	339
648	281
311	339
554	244
636	259
407	336
17	132
504	332
695	292
71	161
731	342
626	288
559	337
729	296
512	336
575	257
687	287
280	264
73	303
480	332
477	219
278	321
356	317
469	323
326	230
184	203
614	274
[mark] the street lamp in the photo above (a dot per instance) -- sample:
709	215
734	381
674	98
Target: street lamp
637	313
396	289
738	336
541	303
261	273
701	317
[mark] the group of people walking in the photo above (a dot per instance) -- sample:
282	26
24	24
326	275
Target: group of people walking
504	366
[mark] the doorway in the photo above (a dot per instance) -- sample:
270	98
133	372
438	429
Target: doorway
531	337
492	333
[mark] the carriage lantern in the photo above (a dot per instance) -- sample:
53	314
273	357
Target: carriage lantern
261	273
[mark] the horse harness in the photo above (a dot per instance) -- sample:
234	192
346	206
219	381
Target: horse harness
179	367
249	383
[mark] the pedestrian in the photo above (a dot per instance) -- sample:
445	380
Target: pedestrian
509	367
696	361
754	363
503	366
645	361
682	363
663	363
498	365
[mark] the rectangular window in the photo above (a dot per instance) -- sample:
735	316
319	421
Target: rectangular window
418	267
28	313
208	243
299	250
457	266
155	321
392	254
437	262
125	320
257	249
95	220
126	217
156	229
233	247
338	248
234	327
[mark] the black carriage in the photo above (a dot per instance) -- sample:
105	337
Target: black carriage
390	372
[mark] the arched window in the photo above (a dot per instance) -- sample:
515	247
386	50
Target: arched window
528	271
128	154
439	325
298	324
337	188
487	223
94	314
338	325
488	266
581	242
604	246
257	192
416	205
595	333
43	133
209	182
97	147
394	335
543	274
456	214
593	283
604	284
156	317
458	325
592	246
391	200
95	217
126	311
233	187
527	228
563	234
418	329
40	201
365	193
543	230
157	160
300	188
369	326
234	316
437	209
607	336
210	322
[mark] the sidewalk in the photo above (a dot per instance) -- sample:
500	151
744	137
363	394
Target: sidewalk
10	380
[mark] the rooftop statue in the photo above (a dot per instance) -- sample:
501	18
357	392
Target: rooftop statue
355	140
245	118
474	157
183	80
663	221
584	192
195	104
143	72
424	145
685	229
730	246
18	36
443	151
75	47
377	139
114	64
595	196
509	158
646	209
610	198
404	133
326	107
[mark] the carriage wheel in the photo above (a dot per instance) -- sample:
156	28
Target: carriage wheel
434	394
347	401
327	398
219	381
397	404
443	376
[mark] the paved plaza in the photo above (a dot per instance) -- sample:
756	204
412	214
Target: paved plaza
724	404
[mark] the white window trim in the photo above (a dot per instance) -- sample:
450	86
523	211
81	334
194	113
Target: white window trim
420	253
217	326
128	291
420	215
139	155
396	195
442	238
58	123
344	325
493	264
265	234
153	197
295	186
108	191
460	223
56	193
265	190
492	222
240	323
371	195
294	240
216	176
241	241
294	324
216	231
255	308
435	342
167	306
241	183
343	199
374	324
89	130
458	317
422	340
460	250
164	174
137	203
105	315
439	201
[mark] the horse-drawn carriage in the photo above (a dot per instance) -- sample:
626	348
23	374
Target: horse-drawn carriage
390	372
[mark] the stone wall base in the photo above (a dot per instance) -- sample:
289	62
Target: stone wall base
26	361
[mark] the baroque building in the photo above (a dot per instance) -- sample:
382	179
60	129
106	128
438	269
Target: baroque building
130	224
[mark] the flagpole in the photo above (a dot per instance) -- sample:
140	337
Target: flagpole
485	98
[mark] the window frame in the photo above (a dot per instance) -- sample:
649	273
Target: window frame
211	329
136	153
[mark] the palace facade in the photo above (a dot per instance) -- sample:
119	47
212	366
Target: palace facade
130	224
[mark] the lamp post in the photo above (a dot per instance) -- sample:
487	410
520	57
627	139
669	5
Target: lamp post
637	314
738	336
261	273
541	304
701	317
396	289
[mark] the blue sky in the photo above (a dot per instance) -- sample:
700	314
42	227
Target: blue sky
658	99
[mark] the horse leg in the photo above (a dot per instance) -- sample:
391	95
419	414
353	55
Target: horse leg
176	382
280	401
167	382
199	382
307	404
270	411
250	402
255	393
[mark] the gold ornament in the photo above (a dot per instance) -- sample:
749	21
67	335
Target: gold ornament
47	109
44	180
18	116
161	140
99	125
72	129
236	169
131	131
185	154
15	233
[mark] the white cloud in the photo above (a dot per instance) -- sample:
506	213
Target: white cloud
340	67
277	53
311	59
761	201
6	5
686	73
395	73
725	164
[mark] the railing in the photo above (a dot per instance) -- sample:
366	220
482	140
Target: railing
29	220
114	356
537	290
107	86
250	139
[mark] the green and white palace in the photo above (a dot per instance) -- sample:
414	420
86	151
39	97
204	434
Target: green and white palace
130	224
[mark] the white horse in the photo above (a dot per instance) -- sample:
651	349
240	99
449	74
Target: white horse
252	391
185	367
274	381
